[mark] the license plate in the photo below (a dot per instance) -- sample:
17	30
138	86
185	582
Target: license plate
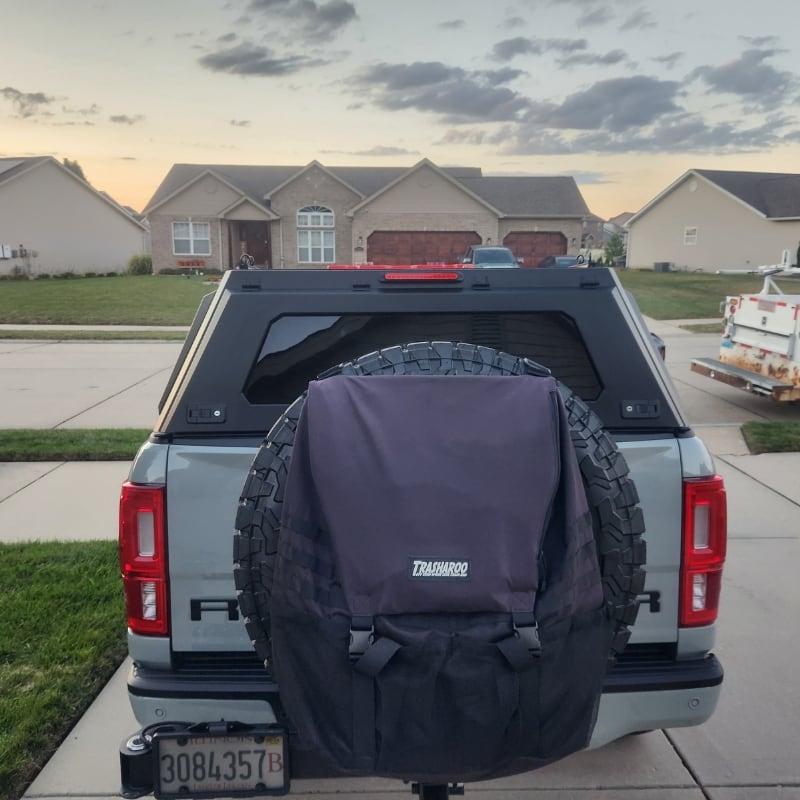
235	764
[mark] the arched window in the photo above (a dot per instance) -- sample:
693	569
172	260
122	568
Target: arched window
316	239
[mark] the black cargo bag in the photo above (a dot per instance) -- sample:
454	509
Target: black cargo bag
437	611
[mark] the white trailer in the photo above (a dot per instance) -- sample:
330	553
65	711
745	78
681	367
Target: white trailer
760	348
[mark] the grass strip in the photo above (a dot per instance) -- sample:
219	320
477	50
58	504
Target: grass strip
95	336
772	437
70	444
690	295
62	636
124	300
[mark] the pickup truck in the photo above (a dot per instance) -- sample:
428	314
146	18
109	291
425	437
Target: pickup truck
212	721
759	351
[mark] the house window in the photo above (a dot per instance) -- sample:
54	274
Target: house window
690	236
191	238
315	245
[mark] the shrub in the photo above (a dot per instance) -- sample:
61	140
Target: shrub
141	264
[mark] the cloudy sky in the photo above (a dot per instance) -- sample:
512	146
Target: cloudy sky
624	95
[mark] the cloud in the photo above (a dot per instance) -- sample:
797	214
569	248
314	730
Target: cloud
240	123
320	21
594	18
639	20
681	133
601	59
670	59
749	78
380	151
508	49
760	41
247	58
91	111
616	104
452	24
464	136
27	104
451	92
125	119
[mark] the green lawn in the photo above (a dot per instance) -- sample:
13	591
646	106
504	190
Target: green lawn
123	300
772	437
688	295
62	635
70	444
63	335
173	299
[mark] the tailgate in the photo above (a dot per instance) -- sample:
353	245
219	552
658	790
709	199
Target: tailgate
203	489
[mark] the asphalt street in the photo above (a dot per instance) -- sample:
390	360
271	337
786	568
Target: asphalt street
748	750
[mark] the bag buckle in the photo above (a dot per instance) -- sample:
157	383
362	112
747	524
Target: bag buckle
526	629
362	635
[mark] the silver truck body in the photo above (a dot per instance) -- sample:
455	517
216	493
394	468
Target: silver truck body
203	668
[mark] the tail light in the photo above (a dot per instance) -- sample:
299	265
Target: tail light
143	558
704	542
432	275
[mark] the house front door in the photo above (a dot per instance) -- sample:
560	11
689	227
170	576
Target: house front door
253	238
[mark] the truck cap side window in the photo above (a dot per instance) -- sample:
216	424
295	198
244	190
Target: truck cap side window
298	347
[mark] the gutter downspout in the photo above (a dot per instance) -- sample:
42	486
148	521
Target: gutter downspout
219	238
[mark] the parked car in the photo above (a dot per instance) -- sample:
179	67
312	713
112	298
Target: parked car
489	256
562	262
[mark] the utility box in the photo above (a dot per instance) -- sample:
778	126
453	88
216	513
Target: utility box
759	350
662	266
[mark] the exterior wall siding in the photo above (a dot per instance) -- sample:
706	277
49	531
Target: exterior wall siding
313	187
64	226
729	234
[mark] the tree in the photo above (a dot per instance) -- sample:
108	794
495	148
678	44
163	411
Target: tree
615	248
74	167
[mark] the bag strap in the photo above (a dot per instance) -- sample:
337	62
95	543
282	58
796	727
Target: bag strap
368	656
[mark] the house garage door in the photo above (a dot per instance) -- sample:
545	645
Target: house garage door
532	247
419	247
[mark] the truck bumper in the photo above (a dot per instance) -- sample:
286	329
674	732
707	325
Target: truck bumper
637	697
746	379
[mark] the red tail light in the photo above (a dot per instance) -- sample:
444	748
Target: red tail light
705	534
143	558
439	275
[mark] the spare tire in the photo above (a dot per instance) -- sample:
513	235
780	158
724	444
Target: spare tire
613	500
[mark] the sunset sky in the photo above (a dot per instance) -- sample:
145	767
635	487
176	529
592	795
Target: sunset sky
624	95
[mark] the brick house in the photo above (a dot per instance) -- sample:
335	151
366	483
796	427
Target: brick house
304	217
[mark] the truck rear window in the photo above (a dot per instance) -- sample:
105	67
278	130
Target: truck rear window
298	347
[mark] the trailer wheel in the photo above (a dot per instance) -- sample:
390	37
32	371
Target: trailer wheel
613	500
